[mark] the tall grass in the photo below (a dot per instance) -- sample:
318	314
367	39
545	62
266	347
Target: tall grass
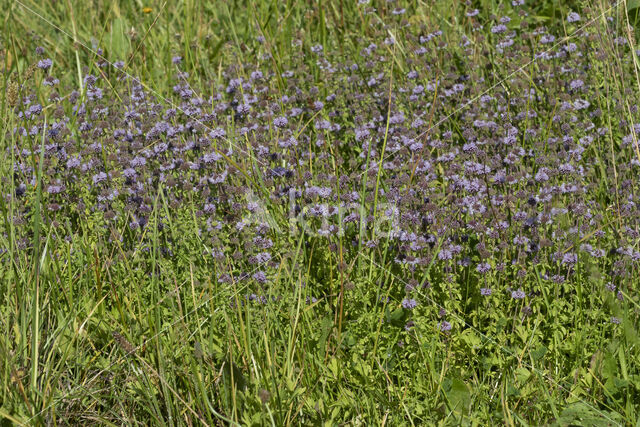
103	323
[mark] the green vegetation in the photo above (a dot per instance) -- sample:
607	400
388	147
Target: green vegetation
319	213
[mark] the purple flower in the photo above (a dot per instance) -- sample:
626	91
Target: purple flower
576	84
615	320
129	173
280	122
33	111
294	112
547	38
581	104
44	64
483	268
94	93
409	304
138	161
570	259
500	28
263	257
485	292
217	133
50	81
260	277
444	326
571	47
519	294
99	177
73	162
445	254
573	17
54	189
323	124
520	240
541	175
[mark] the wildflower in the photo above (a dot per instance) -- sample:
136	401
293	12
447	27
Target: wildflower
483	268
571	47
44	64
409	304
99	177
445	254
445	326
541	175
217	133
74	162
485	292
576	84
260	277
498	29
138	161
55	189
280	122
519	294
581	104
570	259
573	17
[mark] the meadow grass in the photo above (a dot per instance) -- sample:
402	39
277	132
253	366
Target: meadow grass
166	253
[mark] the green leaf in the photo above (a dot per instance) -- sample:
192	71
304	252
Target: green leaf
539	353
522	375
580	413
470	338
458	395
397	317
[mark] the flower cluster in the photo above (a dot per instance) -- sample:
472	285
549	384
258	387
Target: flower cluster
459	164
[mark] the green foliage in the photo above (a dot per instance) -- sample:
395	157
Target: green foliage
192	351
